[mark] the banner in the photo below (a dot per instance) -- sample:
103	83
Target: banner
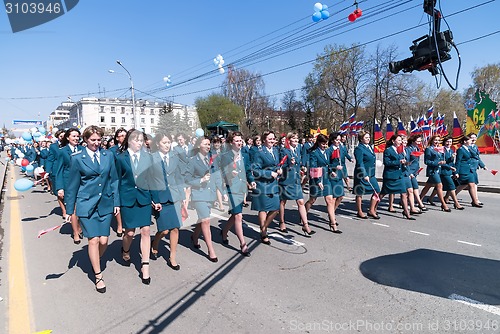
24	122
478	111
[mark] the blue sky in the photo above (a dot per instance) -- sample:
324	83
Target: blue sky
71	55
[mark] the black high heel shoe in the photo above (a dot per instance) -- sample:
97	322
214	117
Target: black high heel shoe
247	253
431	203
197	246
423	208
458	207
360	216
100	290
445	209
408	216
373	216
307	234
283	230
213	259
153	254
146	281
224	241
126	257
476	205
333	230
176	267
263	239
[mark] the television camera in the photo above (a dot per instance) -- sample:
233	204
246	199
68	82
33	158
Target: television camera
429	50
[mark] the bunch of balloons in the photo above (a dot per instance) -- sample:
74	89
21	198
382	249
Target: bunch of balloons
219	62
167	80
355	15
320	12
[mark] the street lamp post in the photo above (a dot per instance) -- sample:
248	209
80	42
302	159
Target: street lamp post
133	93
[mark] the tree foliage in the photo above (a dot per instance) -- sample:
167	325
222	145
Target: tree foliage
216	107
486	78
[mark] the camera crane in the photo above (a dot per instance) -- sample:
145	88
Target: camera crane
429	51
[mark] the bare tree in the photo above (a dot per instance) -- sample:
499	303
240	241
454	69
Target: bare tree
292	107
246	90
487	79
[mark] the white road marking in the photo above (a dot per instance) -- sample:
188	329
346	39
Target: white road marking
381	224
474	303
421	233
276	235
468	243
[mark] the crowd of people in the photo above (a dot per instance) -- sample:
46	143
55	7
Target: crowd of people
132	177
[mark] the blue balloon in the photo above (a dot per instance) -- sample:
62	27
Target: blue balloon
316	16
26	136
199	132
325	7
325	14
30	168
23	169
37	134
23	185
42	130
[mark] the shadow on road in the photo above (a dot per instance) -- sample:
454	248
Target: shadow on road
437	273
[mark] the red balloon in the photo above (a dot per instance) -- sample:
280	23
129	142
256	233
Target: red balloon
351	17
25	162
358	12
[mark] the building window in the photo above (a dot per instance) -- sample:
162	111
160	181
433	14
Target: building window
123	110
113	109
102	108
123	120
143	112
102	119
152	121
112	120
143	120
151	111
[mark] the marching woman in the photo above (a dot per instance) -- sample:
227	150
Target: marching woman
118	142
321	177
413	168
51	167
448	171
466	168
365	182
477	162
345	155
167	189
393	177
133	165
256	147
266	170
236	175
434	159
93	190
69	145
290	183
215	171
202	193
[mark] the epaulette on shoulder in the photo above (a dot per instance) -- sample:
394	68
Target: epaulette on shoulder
77	152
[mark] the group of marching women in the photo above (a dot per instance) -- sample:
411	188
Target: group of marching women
137	179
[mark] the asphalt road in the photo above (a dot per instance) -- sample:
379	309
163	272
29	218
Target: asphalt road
437	274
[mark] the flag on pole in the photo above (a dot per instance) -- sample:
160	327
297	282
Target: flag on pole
378	139
389	132
457	133
401	128
429	115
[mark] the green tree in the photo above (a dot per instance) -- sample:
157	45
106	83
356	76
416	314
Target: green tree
487	79
216	107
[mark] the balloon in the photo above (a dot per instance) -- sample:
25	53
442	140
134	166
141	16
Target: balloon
325	7
26	136
30	168
316	17
325	14
378	163
18	161
23	185
21	155
318	6
8	141
42	130
221	70
25	162
34	129
351	17
37	134
358	12
199	132
54	130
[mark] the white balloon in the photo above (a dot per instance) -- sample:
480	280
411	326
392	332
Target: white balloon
318	6
221	70
379	163
34	129
54	130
